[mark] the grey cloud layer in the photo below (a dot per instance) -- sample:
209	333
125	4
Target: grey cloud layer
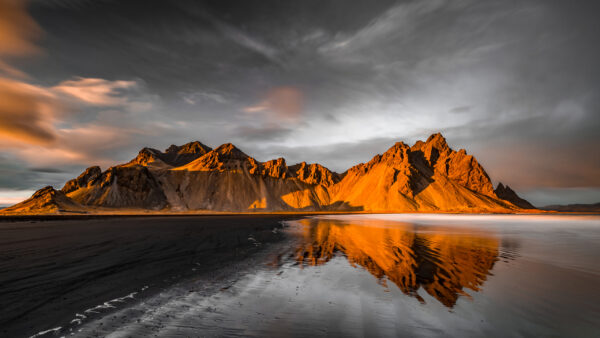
514	82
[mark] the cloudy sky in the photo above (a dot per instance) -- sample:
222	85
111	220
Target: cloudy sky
516	83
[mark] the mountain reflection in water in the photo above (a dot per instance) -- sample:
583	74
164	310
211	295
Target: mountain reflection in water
441	262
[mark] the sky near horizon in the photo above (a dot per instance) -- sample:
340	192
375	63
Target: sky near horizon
515	83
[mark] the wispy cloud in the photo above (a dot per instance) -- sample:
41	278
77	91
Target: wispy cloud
399	21
245	40
237	35
199	97
98	92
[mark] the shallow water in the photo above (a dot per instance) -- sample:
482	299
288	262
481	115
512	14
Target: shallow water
393	275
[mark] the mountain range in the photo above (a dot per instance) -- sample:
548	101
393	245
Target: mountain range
428	176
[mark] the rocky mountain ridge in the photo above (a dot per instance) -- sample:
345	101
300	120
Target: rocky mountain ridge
429	176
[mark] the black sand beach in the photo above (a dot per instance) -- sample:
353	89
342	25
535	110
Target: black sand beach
53	267
405	275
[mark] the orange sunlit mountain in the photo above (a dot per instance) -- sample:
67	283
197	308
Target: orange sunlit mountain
442	264
429	176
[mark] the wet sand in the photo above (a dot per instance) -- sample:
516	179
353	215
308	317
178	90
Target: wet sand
389	276
54	267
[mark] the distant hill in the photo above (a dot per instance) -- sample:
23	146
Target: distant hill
574	207
428	176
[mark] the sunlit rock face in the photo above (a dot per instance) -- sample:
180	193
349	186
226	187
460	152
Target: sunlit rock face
82	181
124	187
456	165
443	264
429	176
315	173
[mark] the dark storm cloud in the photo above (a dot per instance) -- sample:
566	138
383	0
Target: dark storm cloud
516	83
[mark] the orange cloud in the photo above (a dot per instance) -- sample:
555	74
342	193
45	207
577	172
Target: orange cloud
27	112
283	103
17	30
99	92
82	144
31	116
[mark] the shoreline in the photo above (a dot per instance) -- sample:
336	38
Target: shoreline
150	213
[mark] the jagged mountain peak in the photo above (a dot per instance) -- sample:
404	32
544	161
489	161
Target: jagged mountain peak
436	143
437	140
280	161
194	147
45	191
83	180
147	156
398	152
274	168
231	151
434	147
174	156
223	158
172	148
148	153
314	173
149	150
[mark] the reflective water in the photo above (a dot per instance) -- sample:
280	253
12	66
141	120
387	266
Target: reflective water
395	275
439	260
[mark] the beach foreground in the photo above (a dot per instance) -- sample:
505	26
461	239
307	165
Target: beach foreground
325	275
55	267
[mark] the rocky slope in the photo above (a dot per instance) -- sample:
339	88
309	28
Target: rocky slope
429	176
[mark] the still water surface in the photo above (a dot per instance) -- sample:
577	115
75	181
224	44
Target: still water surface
394	275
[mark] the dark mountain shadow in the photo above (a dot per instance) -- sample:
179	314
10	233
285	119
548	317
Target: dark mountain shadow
423	177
